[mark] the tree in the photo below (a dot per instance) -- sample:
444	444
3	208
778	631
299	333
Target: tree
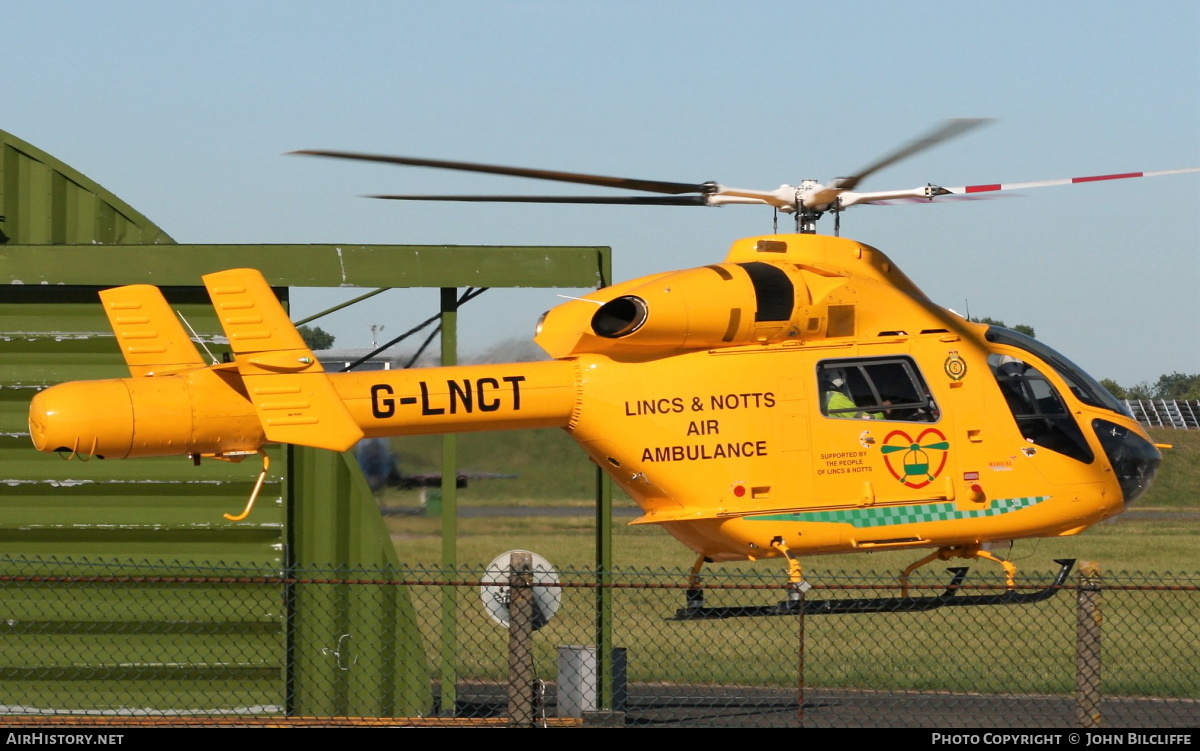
1139	391
1177	386
316	337
1114	388
1020	328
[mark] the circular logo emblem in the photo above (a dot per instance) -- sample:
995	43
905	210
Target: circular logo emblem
955	366
915	462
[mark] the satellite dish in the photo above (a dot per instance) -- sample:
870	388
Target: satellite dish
496	592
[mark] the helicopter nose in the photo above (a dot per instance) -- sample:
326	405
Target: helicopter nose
1134	459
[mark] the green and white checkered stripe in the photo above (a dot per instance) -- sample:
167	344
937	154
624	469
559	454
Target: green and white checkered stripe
885	516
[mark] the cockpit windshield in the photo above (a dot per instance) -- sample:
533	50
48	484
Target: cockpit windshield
1083	386
1045	419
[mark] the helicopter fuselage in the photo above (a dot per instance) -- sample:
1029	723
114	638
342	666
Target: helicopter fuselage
730	461
803	391
731	447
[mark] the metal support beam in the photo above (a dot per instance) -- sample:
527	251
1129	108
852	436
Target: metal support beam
295	265
449	661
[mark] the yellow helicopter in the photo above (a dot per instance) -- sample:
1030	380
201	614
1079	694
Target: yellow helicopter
801	397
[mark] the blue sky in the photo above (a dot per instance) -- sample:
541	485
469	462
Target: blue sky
186	110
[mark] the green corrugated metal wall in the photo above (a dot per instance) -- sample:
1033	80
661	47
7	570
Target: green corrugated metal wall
307	649
154	508
44	202
66	647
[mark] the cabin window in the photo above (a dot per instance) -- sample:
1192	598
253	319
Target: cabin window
875	389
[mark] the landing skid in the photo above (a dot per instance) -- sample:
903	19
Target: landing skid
949	598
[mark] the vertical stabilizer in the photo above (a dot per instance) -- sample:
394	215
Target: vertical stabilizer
290	391
152	339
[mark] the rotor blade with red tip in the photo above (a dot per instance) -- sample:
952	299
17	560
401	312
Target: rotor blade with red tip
938	199
1066	181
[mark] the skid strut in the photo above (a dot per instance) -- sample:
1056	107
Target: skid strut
970	551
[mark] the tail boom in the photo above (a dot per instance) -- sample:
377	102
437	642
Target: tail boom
275	391
216	411
460	399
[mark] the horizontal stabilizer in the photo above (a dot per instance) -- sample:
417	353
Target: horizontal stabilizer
293	397
152	339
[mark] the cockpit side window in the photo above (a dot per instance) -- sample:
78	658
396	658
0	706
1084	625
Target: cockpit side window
1039	410
1085	388
875	389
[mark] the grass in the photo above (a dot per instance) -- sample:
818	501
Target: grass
549	468
1178	482
952	649
1147	635
552	471
1146	546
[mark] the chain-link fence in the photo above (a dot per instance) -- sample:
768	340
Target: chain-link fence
158	643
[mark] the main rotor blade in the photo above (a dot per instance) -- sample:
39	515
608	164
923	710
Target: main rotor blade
651	186
1067	181
936	199
936	194
944	132
630	200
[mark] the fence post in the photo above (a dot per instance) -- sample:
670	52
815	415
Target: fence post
800	659
520	641
1087	647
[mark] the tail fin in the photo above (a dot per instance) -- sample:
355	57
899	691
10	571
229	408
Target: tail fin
151	337
293	397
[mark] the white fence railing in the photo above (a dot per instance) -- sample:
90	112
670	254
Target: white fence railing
1165	413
